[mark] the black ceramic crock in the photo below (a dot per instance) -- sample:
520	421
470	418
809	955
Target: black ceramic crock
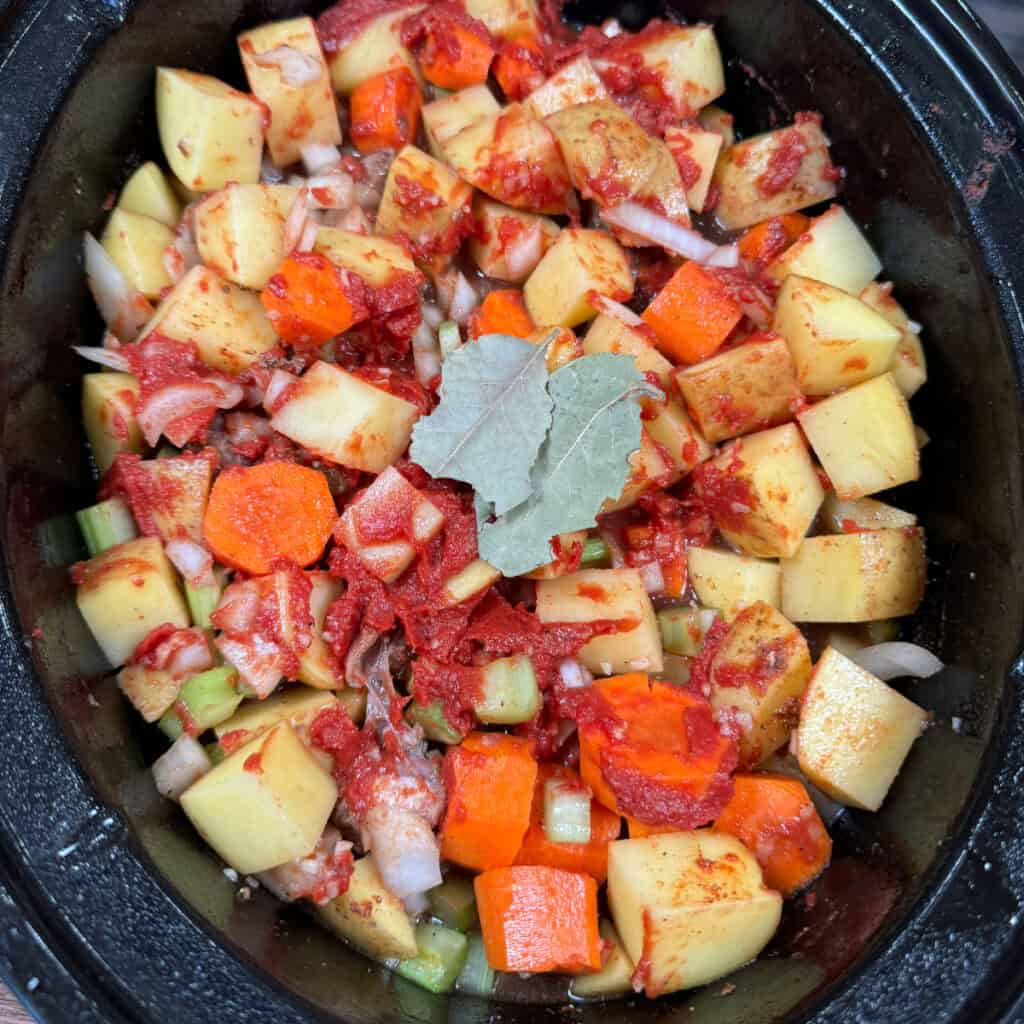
110	908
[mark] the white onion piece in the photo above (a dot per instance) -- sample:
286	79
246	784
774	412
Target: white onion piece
297	68
108	357
124	310
896	660
295	180
724	256
574	675
270	173
522	254
432	315
353	219
238	606
611	28
318	158
914	327
190	660
652	227
182	254
464	300
176	769
416	903
652	577
615	548
615	309
279	380
404	849
426	354
307	240
192	560
296	221
179	400
334	191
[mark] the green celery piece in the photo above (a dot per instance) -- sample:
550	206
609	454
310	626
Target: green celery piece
202	601
448	338
441	957
106	525
430	717
205	700
453	903
510	692
683	629
478	976
215	752
566	812
595	554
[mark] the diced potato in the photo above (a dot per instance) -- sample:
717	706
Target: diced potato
563	547
240	231
343	419
836	340
832	249
594	594
151	691
574	83
316	663
210	133
579	263
695	150
648	468
227	323
506	19
855	577
375	260
500	229
265	804
721	122
299	114
616	975
108	411
855	732
297	706
126	592
691	906
730	582
864	438
136	244
514	158
424	200
746	388
369	917
662	190
773	174
607	334
148	193
671	428
183	486
446	117
476	576
863	514
782	490
757	679
377	47
908	365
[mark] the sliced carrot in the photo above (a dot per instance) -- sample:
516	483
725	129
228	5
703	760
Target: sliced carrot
764	241
502	312
309	300
519	67
259	515
490	780
384	111
638	830
775	818
455	56
538	919
590	858
692	315
653	752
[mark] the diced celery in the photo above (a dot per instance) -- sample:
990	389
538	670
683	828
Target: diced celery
431	719
215	752
595	554
205	700
453	903
510	692
683	629
448	337
441	957
107	524
477	977
202	601
566	812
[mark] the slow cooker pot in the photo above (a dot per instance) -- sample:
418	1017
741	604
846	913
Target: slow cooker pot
111	909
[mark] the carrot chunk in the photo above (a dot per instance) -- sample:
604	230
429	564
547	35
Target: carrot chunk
764	241
692	315
538	919
384	111
455	57
259	515
518	67
502	312
590	858
775	818
490	779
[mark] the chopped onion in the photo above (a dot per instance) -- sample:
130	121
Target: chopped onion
914	327
615	549
270	173
108	357
566	812
523	253
464	300
416	903
334	191
353	219
404	849
124	310
611	28
279	381
177	401
192	560
176	769
652	577
683	241
426	354
432	315
238	606
191	657
297	219
297	68
318	158
308	238
724	256
615	309
896	660
574	675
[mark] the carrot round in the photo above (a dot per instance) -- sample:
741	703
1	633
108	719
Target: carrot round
519	67
502	312
385	111
538	919
258	515
490	780
764	241
775	818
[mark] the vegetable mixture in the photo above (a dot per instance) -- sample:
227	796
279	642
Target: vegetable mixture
477	419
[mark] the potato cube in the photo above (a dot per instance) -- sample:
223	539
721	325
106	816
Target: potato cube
574	83
210	133
476	576
648	468
695	151
855	732
151	691
729	582
265	804
763	492
855	577
773	174
508	244
108	412
377	47
227	323
446	117
721	122
671	429
297	706
136	244
125	593
608	334
832	249
317	667
183	486
690	906
746	388
908	365
836	340
606	594
863	514
147	192
300	114
506	19
864	438
343	419
616	975
375	260
757	679
369	917
662	190
581	262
